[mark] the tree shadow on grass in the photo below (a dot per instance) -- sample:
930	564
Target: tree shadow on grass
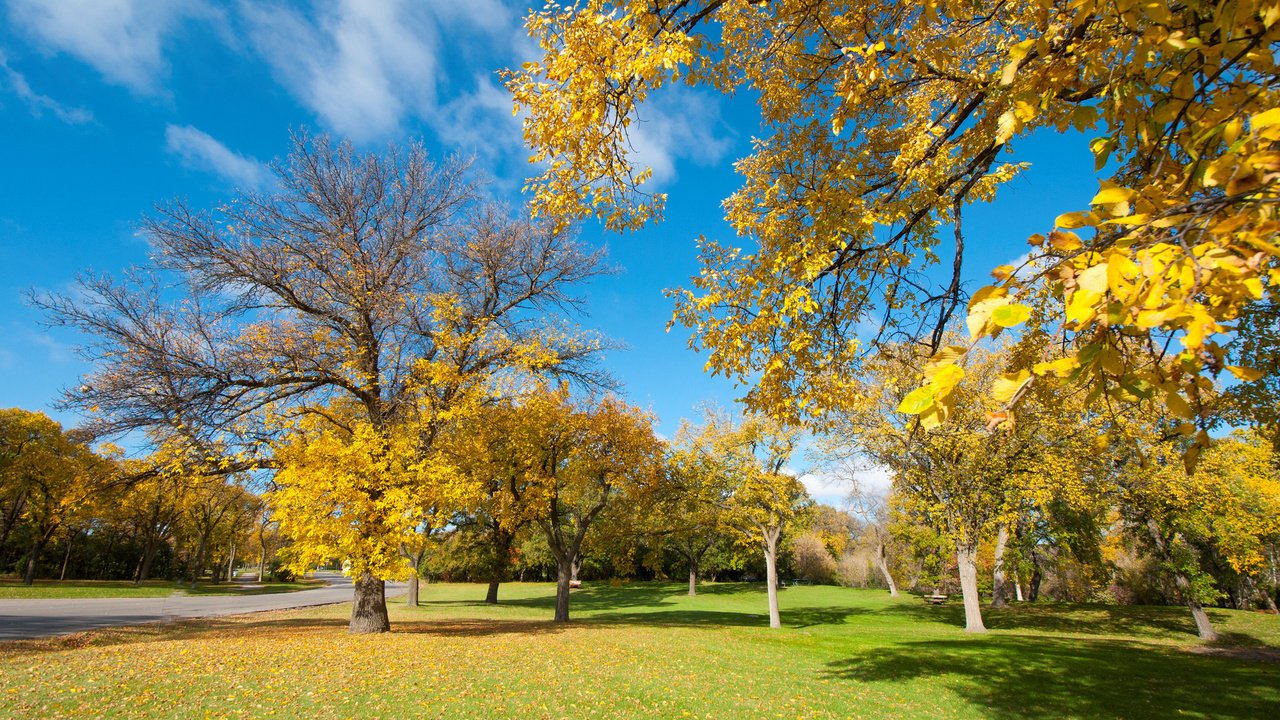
1012	677
264	629
1141	621
692	617
593	598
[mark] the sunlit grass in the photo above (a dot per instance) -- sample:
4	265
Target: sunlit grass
647	650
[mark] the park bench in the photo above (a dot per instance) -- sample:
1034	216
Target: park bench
575	583
934	599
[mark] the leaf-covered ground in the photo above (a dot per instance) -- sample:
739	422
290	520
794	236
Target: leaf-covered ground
13	589
647	650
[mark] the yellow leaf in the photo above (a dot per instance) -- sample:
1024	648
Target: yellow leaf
1008	385
1243	373
1072	220
1064	241
1111	196
1265	119
1093	279
944	376
1178	406
1007	316
917	401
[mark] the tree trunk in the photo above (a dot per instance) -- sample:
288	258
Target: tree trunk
693	576
262	562
369	610
37	547
883	563
66	558
1204	628
564	573
1267	600
771	575
148	561
999	590
1033	587
1017	588
966	558
198	567
577	565
231	563
491	595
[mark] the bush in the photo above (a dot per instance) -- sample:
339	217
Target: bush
812	561
279	572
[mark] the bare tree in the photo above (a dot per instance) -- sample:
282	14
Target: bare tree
337	285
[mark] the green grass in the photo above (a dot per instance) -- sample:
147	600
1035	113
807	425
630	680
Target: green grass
13	589
647	650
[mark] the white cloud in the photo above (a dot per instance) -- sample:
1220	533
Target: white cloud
489	15
678	124
37	103
122	39
481	122
201	151
361	66
834	486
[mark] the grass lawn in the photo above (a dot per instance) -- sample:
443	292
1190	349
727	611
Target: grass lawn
13	589
647	650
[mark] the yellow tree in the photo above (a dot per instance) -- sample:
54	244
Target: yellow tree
379	284
690	515
1228	504
577	461
968	478
758	497
880	122
55	473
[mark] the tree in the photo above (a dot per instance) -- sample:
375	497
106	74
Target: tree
693	512
55	473
971	477
1228	505
881	122
758	497
379	286
581	459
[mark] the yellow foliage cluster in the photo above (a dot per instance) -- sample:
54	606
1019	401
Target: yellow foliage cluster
880	122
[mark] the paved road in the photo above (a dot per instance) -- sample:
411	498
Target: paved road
39	618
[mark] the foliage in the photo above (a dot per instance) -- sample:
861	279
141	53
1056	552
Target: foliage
370	300
880	123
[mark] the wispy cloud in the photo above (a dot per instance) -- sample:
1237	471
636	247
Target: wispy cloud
201	151
37	103
480	123
361	66
678	124
122	39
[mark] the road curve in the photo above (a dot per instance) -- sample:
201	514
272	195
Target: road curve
22	619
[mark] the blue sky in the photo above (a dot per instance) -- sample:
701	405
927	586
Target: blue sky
110	106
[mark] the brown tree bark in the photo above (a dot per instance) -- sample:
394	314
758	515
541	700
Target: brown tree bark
369	609
33	557
967	559
564	573
491	595
693	577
